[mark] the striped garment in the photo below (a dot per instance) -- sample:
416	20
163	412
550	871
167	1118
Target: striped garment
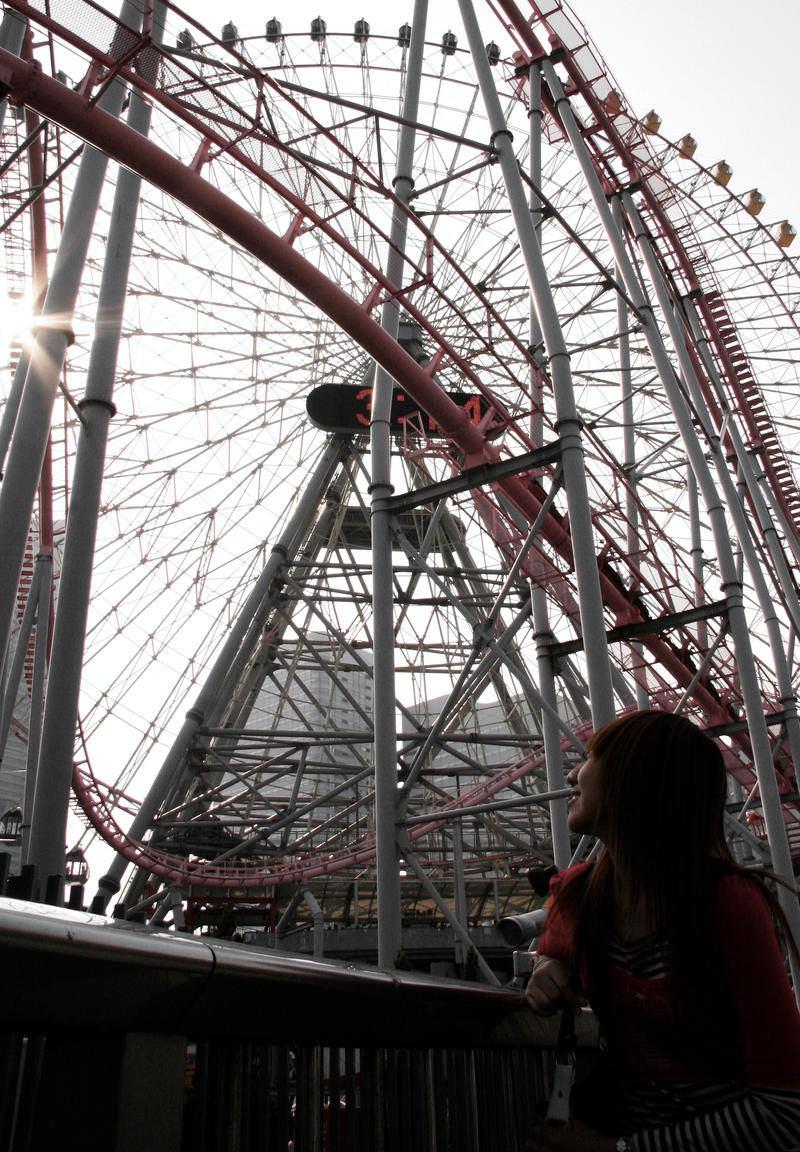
707	1117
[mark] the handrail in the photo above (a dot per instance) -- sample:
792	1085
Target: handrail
132	978
186	1041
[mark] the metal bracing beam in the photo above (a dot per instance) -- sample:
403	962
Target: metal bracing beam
470	579
298	779
346	645
455	834
771	719
650	627
439	210
494	806
439	519
247	690
340	824
554	765
270	827
576	685
311	649
461	932
293	738
482	630
470	478
706	661
496	649
428	130
11	681
232	658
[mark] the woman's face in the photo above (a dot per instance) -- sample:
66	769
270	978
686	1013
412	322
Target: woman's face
584	805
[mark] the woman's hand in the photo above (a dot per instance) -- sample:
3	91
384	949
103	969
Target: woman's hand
571	1137
551	988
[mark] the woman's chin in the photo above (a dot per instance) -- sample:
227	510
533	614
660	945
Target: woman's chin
579	824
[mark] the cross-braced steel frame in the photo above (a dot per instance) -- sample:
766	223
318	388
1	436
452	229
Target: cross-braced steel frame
392	632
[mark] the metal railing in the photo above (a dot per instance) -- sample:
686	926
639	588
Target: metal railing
122	1038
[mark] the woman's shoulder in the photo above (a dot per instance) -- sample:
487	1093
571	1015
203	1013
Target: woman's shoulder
567	876
741	896
736	882
558	938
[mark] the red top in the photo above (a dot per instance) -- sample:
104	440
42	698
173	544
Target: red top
638	1014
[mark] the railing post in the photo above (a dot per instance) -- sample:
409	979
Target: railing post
136	1096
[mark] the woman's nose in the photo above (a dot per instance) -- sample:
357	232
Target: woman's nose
572	775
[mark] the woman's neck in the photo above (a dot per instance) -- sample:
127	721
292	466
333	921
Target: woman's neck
631	924
630	917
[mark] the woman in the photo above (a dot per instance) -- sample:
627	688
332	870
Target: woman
674	946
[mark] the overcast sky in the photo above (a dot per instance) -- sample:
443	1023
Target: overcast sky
723	70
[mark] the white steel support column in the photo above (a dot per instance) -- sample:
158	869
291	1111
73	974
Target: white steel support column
54	772
387	813
39	685
736	496
11	684
739	516
459	889
12	37
554	765
766	529
785	583
53	336
696	551
535	339
731	582
633	538
569	423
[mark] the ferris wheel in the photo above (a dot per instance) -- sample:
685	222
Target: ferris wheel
327	610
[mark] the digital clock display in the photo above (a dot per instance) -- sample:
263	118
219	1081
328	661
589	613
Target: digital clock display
348	407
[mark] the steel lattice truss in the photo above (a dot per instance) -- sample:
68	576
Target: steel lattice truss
262	153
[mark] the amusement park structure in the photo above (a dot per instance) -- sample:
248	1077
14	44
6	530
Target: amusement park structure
397	409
